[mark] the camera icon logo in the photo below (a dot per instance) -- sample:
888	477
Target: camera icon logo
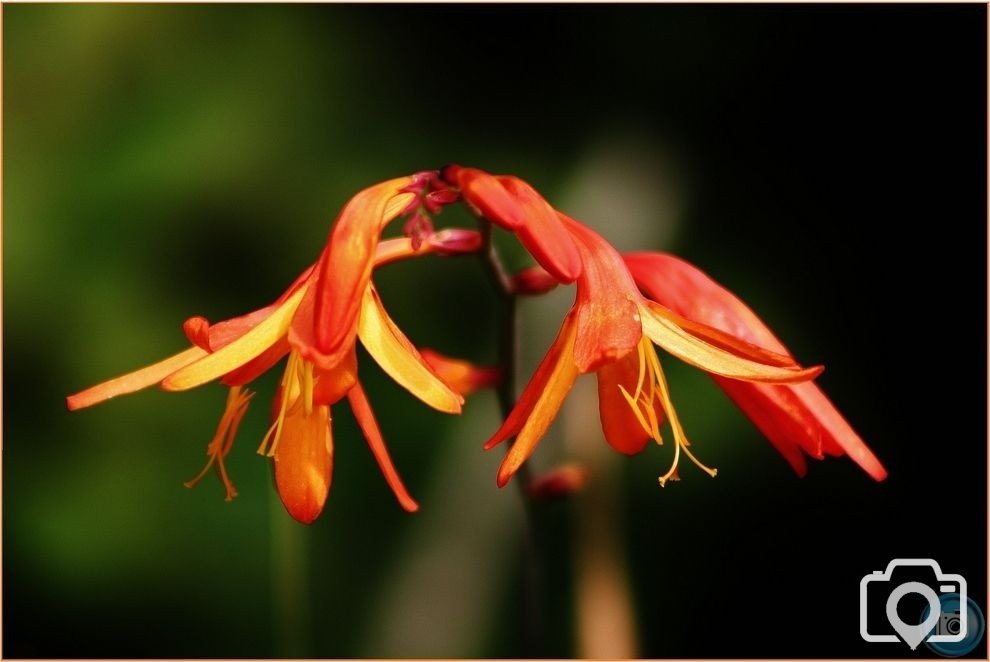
935	627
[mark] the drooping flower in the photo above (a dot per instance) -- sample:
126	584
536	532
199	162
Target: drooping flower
794	417
343	272
611	330
238	350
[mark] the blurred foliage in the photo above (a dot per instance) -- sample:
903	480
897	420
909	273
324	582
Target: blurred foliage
162	161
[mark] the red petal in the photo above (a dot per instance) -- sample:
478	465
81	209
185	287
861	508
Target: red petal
790	415
484	193
373	435
542	232
688	291
197	330
620	425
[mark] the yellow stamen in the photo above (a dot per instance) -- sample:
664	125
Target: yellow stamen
642	370
651	386
634	405
223	440
297	380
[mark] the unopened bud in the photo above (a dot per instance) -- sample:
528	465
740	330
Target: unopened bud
559	482
532	281
462	376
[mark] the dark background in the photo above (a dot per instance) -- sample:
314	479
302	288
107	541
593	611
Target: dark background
163	161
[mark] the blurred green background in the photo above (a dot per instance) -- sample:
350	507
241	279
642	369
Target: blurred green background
163	161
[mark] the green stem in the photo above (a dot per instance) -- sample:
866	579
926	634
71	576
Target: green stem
534	635
290	590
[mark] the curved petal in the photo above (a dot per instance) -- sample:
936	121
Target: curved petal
709	358
345	266
257	366
197	330
542	232
486	195
724	340
239	352
514	422
791	416
398	357
303	462
134	381
223	333
558	384
622	428
373	435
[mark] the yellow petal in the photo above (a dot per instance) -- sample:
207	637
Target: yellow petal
709	358
239	352
558	385
396	355
134	381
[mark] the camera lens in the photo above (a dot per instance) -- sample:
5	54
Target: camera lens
952	626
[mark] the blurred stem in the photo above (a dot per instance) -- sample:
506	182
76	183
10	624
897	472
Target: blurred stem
290	591
534	630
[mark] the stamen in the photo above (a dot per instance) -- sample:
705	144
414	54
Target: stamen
308	386
275	431
642	370
297	390
642	403
223	439
635	409
680	439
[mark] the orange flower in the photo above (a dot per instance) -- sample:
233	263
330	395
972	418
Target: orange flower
237	351
794	417
611	330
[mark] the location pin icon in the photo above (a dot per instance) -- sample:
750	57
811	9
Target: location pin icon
913	635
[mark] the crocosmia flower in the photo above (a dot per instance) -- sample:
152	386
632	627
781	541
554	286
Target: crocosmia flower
238	350
624	309
611	331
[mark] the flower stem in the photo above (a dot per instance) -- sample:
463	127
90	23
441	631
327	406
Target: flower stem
533	627
289	572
